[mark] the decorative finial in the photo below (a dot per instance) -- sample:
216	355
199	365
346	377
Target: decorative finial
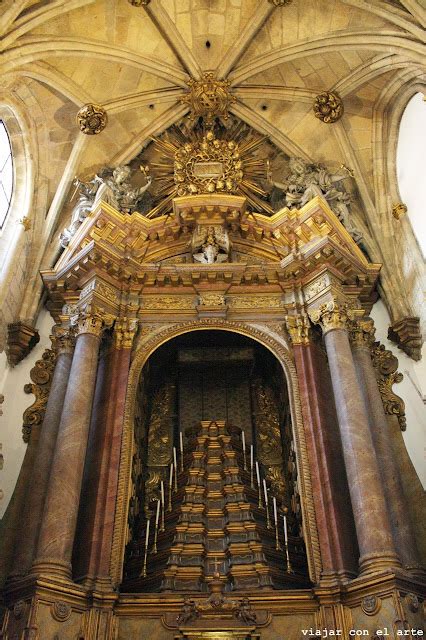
328	107
92	119
398	210
208	97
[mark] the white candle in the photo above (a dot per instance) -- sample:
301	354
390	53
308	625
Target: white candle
265	491
171	474
174	457
251	456
147	533
243	436
285	529
162	494
257	473
275	510
157	515
181	442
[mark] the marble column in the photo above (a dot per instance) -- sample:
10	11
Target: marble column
375	541
96	519
59	520
336	528
10	525
63	341
362	338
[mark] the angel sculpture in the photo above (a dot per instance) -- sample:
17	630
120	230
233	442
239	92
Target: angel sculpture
86	198
210	244
309	180
119	192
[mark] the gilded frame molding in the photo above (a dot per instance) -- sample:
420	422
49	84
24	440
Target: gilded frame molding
273	338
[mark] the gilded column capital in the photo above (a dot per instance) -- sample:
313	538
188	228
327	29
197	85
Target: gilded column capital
63	340
93	323
124	332
298	328
361	333
330	315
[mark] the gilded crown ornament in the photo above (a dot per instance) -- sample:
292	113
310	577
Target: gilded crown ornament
208	98
92	119
328	107
209	165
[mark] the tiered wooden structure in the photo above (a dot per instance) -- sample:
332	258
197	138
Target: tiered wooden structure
216	524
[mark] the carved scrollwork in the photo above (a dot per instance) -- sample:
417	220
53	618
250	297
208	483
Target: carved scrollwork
269	445
41	376
60	611
371	604
160	433
386	365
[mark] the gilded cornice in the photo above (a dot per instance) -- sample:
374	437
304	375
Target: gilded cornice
113	251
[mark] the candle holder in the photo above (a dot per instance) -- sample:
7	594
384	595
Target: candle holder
268	519
287	555
277	538
169	507
154	546
252	477
260	505
162	527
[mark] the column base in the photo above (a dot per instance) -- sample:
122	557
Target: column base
373	562
52	567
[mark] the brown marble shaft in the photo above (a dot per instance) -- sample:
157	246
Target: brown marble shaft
35	497
105	532
10	524
92	550
336	528
61	507
374	534
412	486
400	519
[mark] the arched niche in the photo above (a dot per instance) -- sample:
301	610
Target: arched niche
274	340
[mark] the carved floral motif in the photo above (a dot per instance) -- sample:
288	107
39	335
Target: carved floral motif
92	119
328	107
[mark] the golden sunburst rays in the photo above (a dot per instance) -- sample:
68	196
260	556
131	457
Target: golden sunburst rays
214	160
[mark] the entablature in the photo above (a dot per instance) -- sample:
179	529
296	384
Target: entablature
110	261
